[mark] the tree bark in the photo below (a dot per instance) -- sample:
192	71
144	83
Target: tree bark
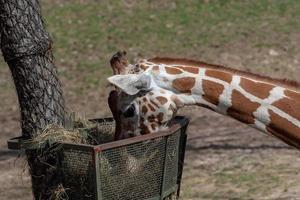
26	47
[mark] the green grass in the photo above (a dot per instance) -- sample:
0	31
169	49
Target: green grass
239	177
99	28
87	34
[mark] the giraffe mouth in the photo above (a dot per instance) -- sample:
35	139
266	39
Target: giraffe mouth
130	112
125	115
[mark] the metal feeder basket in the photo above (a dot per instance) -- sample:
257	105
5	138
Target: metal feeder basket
145	167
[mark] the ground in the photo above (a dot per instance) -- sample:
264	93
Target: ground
224	158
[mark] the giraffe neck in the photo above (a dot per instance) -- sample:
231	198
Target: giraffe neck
260	103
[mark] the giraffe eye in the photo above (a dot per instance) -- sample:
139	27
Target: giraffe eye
129	112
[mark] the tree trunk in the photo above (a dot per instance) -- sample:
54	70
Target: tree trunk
26	47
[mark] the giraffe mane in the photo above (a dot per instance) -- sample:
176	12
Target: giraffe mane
291	84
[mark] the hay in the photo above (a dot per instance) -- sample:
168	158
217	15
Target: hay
54	133
82	132
97	133
59	193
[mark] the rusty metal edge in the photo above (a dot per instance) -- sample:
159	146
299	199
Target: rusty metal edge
180	123
15	143
182	146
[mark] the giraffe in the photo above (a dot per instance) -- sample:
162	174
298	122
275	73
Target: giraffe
154	89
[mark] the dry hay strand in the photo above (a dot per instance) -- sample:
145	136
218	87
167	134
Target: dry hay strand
82	132
53	134
97	132
58	193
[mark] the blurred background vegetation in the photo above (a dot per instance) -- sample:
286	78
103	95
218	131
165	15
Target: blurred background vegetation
86	34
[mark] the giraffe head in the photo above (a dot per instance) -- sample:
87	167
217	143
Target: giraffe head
142	106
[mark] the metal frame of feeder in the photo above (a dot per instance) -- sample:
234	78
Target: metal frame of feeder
96	150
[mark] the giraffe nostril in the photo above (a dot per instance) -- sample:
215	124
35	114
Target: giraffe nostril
129	112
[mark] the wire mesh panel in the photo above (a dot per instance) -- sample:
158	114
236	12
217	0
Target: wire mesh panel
171	162
78	170
133	171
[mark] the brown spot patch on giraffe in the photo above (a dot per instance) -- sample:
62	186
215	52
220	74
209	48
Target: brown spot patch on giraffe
224	76
160	117
151	118
193	70
292	95
184	85
144	109
145	99
144	129
242	108
153	126
142	119
173	70
284	129
258	89
289	106
162	100
212	91
151	107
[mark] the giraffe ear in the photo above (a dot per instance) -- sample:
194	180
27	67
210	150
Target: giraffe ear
131	83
